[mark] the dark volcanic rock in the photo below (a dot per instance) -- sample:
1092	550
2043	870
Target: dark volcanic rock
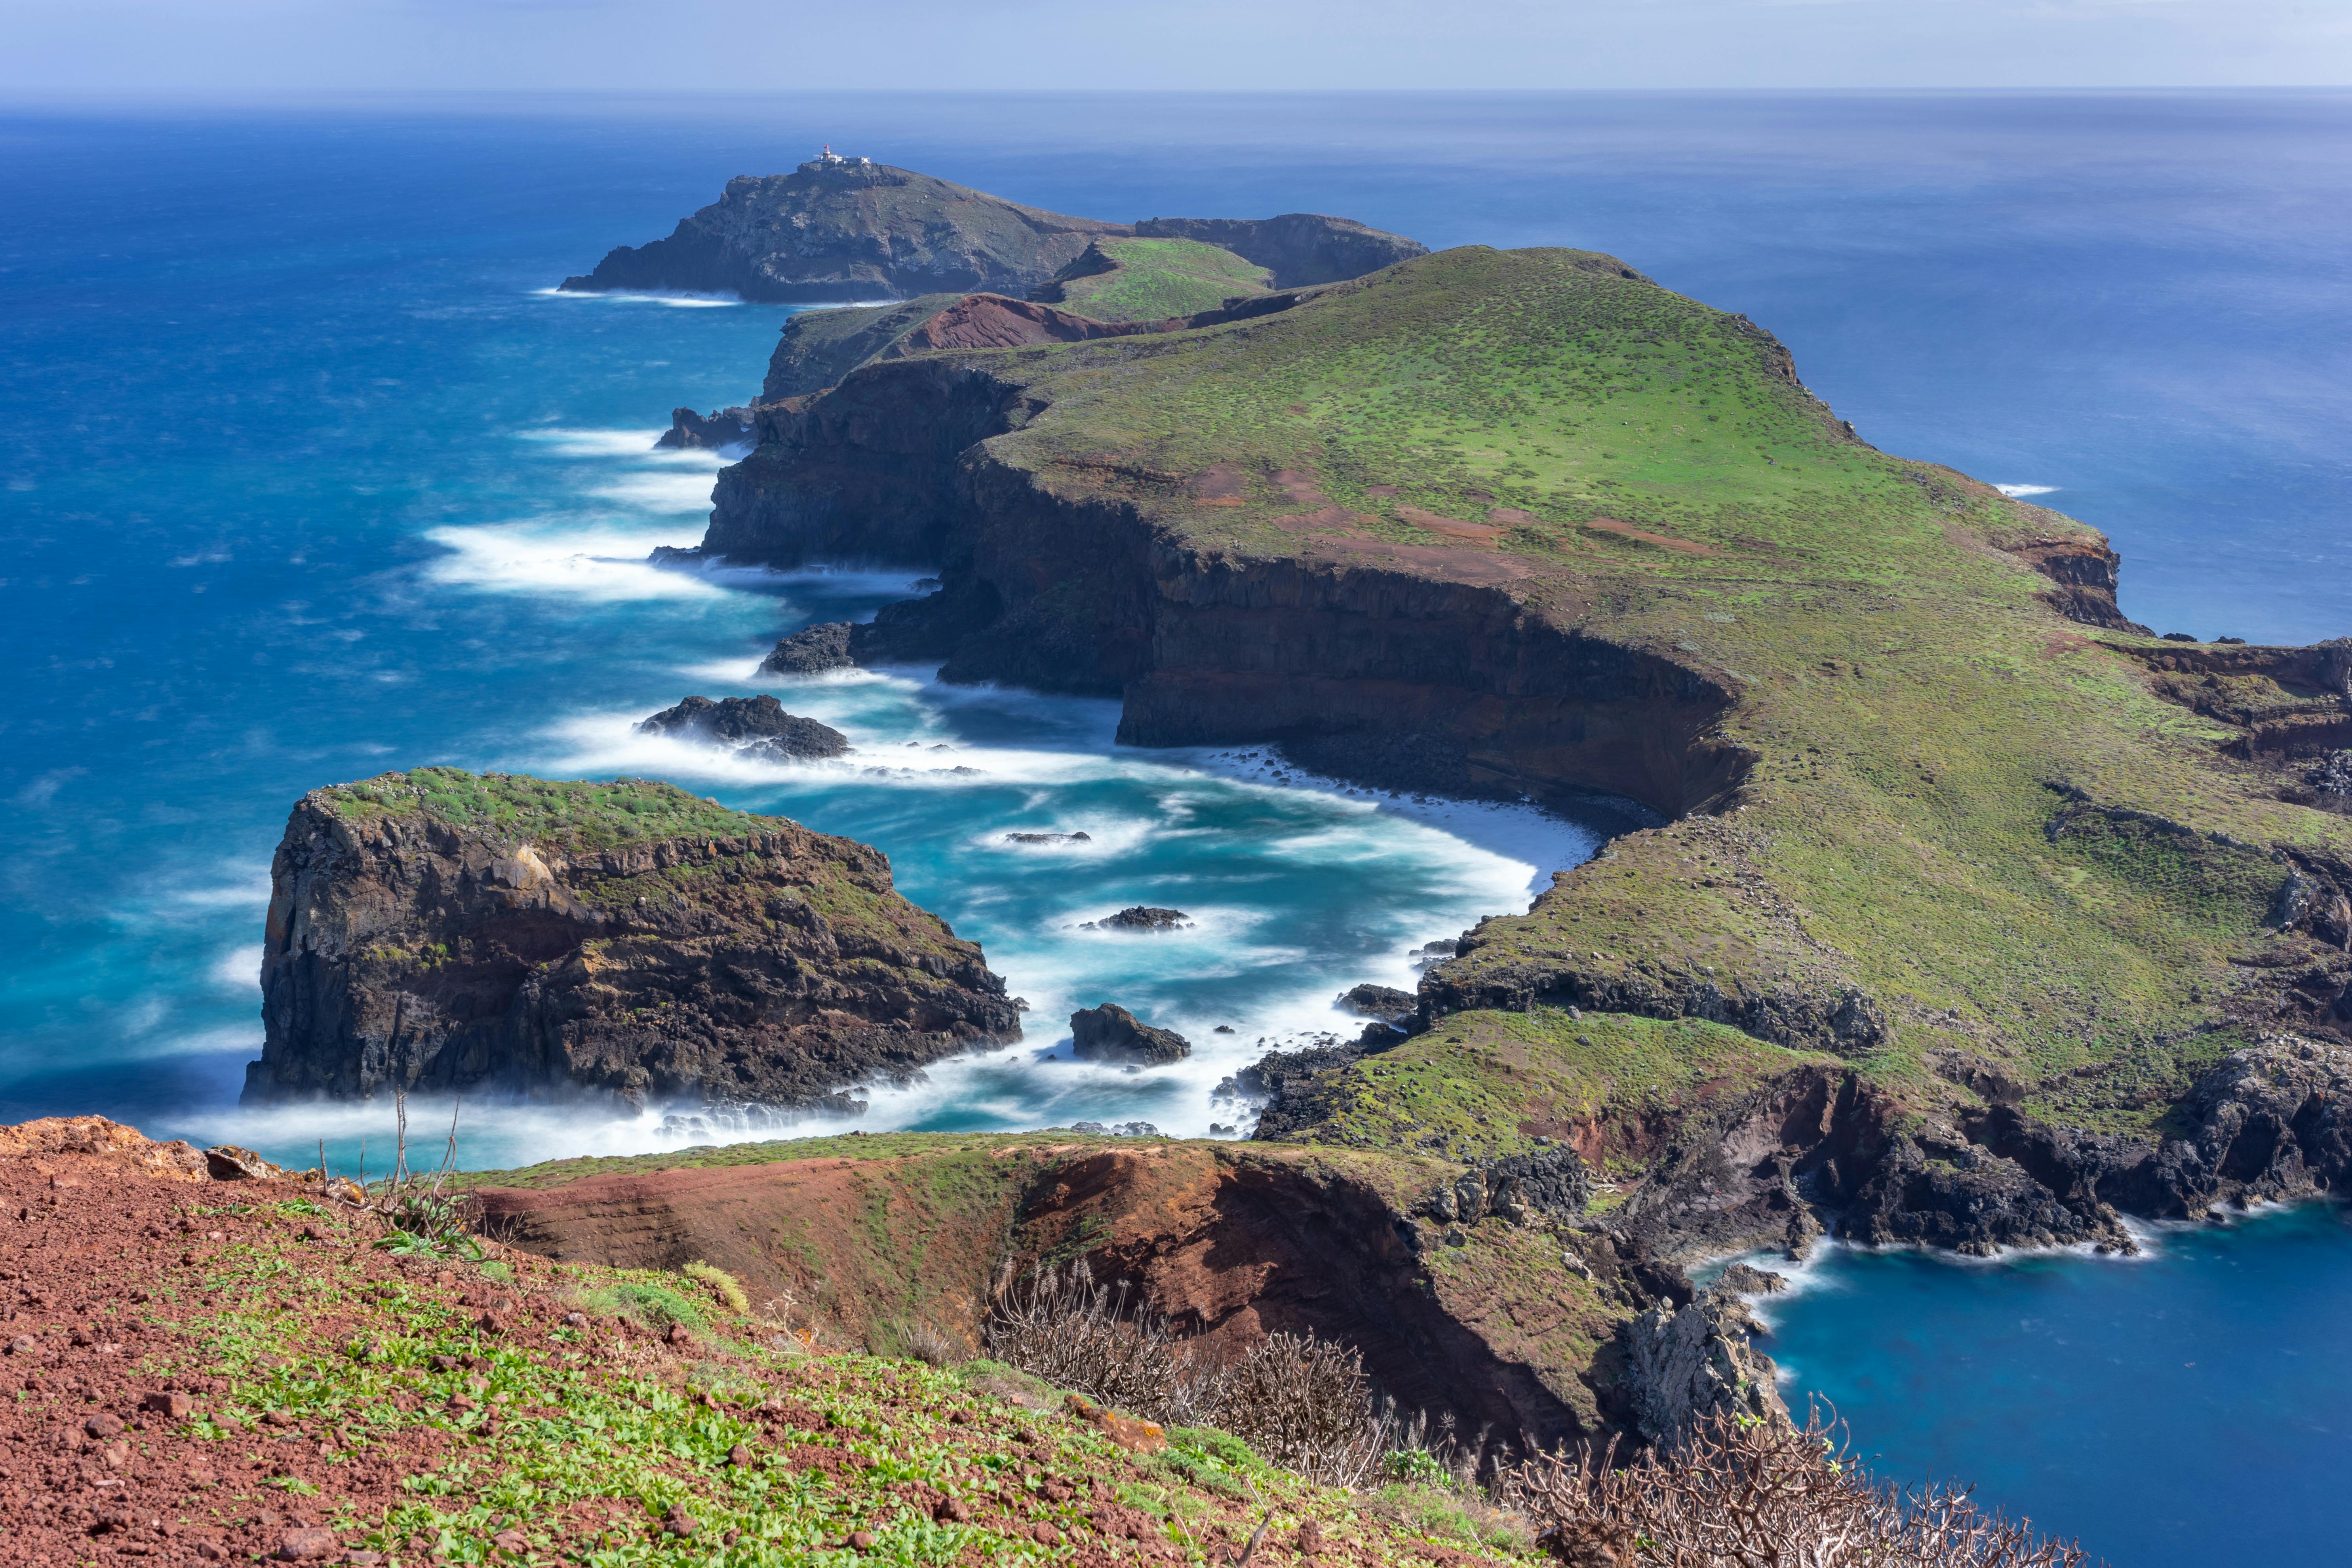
720	427
848	230
1369	1001
1300	1086
1680	1365
1743	1279
1549	1182
443	931
1298	249
1112	1033
808	652
1140	917
1050	837
758	726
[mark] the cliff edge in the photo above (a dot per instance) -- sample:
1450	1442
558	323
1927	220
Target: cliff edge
1936	816
443	929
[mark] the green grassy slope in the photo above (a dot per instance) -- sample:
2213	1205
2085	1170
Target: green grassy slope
1921	717
373	1394
1153	279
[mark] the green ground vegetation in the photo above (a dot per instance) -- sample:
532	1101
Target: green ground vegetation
1484	1084
327	1358
566	814
1939	815
1153	279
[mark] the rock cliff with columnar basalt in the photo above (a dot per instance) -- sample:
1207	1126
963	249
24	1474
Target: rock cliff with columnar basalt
1525	523
446	931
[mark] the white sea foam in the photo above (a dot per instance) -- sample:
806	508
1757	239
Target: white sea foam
2018	492
239	969
571	443
658	493
589	560
234	884
633	297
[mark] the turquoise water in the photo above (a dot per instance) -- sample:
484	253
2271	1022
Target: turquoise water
307	477
2191	1405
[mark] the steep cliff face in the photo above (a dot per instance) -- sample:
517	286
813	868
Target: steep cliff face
437	929
1082	593
845	231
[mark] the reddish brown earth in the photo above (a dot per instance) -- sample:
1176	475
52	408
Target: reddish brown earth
122	1261
103	1245
1232	1242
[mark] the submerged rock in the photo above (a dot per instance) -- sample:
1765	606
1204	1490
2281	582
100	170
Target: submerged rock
1112	1033
1140	917
758	726
811	651
1079	837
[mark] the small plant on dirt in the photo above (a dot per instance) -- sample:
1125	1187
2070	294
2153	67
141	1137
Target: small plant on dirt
1741	1492
722	1285
425	1220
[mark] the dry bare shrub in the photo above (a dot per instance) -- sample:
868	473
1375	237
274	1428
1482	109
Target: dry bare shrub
1061	1325
926	1344
1305	1403
1302	1403
1746	1493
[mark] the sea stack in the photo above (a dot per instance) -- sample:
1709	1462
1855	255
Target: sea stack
442	929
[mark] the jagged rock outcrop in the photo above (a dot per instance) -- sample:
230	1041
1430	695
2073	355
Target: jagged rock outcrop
1299	248
2268	1123
1140	917
847	230
1548	1184
446	930
1109	1033
1693	1362
755	726
812	651
1370	1001
719	429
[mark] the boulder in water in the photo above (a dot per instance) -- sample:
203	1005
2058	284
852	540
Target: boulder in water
757	725
810	651
1368	1001
1112	1033
1079	837
1140	917
710	432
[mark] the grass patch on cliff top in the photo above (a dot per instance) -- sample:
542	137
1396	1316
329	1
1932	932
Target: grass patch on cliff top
566	814
1486	1084
1653	475
1153	279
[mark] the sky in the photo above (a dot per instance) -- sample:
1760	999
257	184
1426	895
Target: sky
248	49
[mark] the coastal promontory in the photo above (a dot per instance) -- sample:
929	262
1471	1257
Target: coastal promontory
842	230
1957	888
442	929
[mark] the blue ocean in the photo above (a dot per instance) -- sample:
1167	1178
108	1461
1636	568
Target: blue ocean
310	475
